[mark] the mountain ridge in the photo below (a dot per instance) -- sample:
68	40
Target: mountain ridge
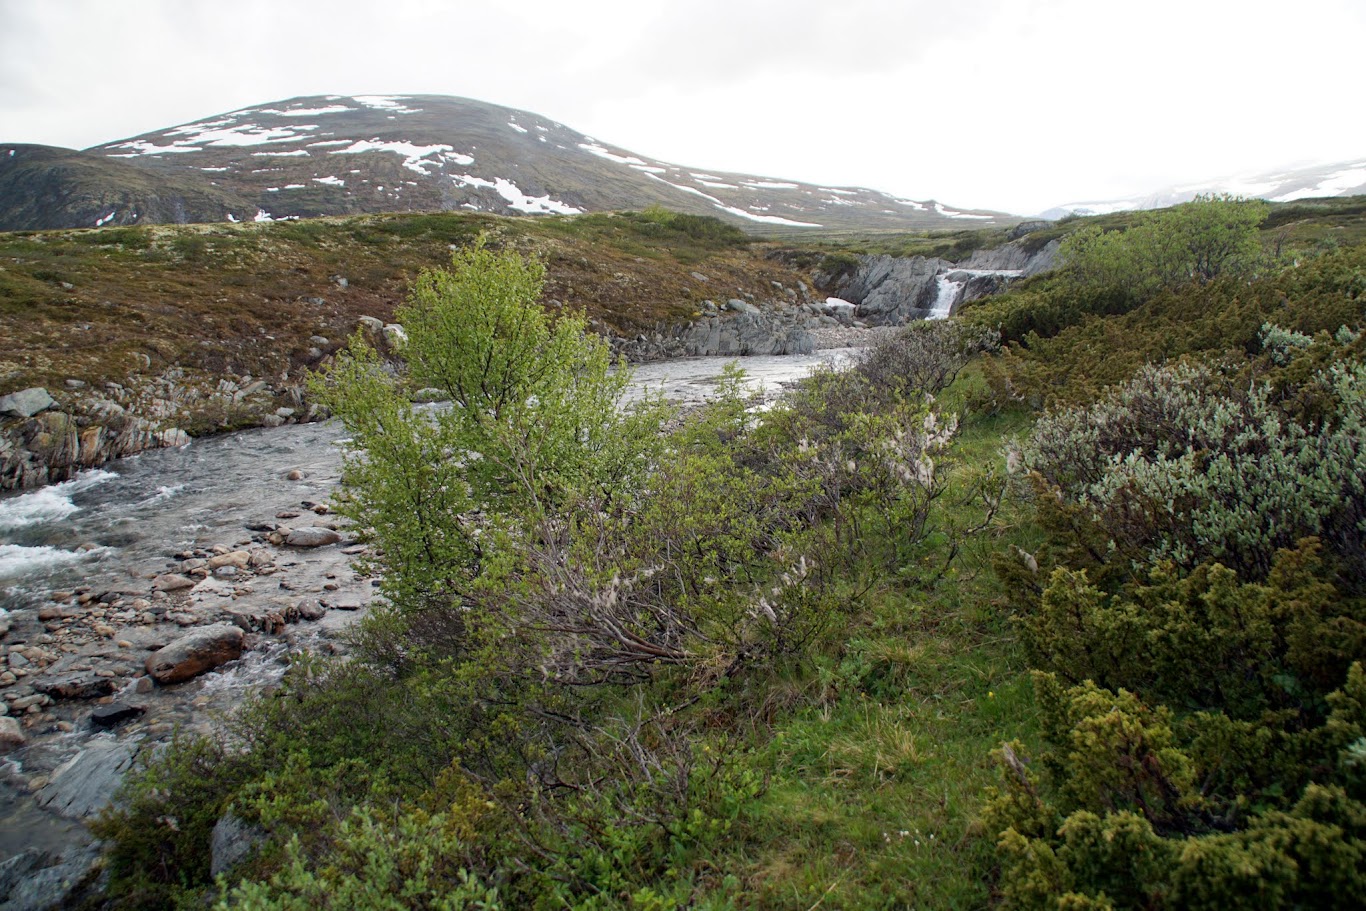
324	155
1286	184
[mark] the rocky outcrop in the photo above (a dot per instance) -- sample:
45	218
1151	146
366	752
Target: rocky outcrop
892	290
26	403
739	327
1020	255
193	654
86	783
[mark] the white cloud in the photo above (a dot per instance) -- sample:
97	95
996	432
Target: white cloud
979	103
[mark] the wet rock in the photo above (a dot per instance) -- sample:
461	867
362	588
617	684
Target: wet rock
11	734
311	610
115	713
294	475
26	403
311	536
76	685
231	843
238	559
86	783
193	654
171	582
37	881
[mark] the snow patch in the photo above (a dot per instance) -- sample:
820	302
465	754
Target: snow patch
263	215
595	149
391	103
516	126
329	142
765	219
1338	182
716	185
837	191
516	199
101	222
414	155
297	153
770	185
307	112
213	169
330	181
954	213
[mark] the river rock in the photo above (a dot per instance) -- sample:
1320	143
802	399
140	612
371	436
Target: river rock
26	403
171	582
239	559
35	880
193	654
311	536
76	685
115	713
11	734
86	783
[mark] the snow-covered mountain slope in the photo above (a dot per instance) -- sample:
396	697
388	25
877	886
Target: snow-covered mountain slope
333	155
1341	178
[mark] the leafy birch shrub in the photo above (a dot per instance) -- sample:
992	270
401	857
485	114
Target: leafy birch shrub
536	425
1181	464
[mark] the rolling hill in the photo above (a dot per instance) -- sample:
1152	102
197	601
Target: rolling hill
343	155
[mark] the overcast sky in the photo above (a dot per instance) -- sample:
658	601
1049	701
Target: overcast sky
1006	104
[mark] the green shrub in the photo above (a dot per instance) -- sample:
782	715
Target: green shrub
1181	463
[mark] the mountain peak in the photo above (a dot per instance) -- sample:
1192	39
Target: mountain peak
345	154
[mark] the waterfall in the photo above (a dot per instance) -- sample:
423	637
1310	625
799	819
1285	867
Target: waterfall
948	293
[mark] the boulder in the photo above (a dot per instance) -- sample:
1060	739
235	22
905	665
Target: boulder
194	653
26	403
35	880
115	713
240	559
76	685
11	735
311	536
85	784
171	582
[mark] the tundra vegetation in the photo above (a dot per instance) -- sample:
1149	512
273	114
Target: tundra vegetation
1060	604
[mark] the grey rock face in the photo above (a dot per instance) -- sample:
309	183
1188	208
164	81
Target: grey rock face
86	783
890	290
26	403
1014	256
193	654
36	881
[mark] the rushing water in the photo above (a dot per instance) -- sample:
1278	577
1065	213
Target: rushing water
107	525
950	284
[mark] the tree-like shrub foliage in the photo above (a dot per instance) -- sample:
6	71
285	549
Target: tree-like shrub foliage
535	424
1200	241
